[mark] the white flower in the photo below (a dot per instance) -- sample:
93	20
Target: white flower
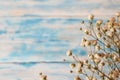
69	53
91	17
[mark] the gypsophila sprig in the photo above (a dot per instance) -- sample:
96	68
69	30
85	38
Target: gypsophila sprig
103	47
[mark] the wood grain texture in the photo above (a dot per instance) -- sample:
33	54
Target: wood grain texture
35	35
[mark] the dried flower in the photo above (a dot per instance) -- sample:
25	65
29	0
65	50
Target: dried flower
99	22
91	17
87	43
79	70
43	77
72	65
99	35
77	78
102	64
118	14
94	78
69	53
97	47
87	32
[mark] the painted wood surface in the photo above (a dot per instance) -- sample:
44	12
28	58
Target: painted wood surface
35	35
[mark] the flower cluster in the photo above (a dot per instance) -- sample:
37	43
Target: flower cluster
102	40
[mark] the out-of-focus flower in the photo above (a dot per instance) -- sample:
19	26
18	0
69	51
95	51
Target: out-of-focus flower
77	78
81	28
113	30
69	53
118	14
91	17
89	78
94	78
115	74
112	19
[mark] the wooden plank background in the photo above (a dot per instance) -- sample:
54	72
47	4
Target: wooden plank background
33	31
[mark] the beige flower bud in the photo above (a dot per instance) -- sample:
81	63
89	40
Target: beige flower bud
113	30
84	40
97	47
43	77
97	61
91	56
69	53
102	64
77	78
89	78
99	22
87	32
94	78
99	35
101	74
72	65
107	45
82	44
80	64
87	43
116	74
91	17
89	66
85	61
118	14
79	70
112	19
